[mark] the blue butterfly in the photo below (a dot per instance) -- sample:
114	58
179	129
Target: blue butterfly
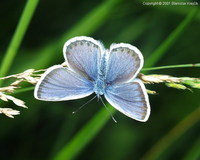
93	69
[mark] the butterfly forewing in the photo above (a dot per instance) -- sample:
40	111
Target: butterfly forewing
59	83
83	55
124	63
130	98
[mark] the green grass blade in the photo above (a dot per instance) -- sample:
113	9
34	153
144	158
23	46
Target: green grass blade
193	151
171	66
18	36
165	142
83	137
136	28
171	39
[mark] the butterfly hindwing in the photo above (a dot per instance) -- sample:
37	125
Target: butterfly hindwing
130	98
59	83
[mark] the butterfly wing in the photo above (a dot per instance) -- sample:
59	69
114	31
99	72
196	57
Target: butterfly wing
130	98
124	63
59	83
82	55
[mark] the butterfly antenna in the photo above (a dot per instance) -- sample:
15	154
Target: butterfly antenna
108	110
83	105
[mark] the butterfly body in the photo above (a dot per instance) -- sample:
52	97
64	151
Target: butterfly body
100	83
94	69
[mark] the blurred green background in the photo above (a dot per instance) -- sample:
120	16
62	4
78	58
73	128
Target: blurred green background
165	34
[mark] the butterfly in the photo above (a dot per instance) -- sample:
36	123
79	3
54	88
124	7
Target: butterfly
93	69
